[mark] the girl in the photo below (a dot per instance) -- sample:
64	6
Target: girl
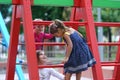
39	34
45	73
78	55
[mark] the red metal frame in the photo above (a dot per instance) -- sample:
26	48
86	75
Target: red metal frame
90	25
77	14
116	73
16	2
12	52
83	7
29	40
74	22
91	37
74	18
77	3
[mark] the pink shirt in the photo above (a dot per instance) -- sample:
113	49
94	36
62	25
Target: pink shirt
40	38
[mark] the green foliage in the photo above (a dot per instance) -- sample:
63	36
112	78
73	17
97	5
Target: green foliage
5	10
47	13
110	15
82	31
107	15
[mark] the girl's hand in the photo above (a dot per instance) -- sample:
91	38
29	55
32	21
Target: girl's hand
65	60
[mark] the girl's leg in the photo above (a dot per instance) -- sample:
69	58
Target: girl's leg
78	76
68	76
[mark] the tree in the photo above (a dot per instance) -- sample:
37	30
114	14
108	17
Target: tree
47	13
109	15
6	11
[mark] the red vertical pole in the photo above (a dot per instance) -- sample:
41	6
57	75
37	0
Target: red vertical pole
73	12
72	17
12	52
76	14
91	37
116	73
29	41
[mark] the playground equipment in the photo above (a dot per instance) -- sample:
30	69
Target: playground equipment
6	38
22	8
110	4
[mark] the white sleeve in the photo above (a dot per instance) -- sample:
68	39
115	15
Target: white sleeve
44	74
56	74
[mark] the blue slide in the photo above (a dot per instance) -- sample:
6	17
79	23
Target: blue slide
6	38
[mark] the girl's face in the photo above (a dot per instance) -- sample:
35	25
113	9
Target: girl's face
42	58
59	33
39	28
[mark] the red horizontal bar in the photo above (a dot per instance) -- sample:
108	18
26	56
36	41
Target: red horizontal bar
50	66
61	65
109	43
62	43
110	64
43	66
102	24
109	79
107	24
46	43
76	23
68	23
49	43
59	43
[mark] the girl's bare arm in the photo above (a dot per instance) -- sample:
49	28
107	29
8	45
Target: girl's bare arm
68	48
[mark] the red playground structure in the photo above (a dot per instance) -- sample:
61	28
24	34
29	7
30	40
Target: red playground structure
82	9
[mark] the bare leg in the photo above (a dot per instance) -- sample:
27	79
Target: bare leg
78	76
68	76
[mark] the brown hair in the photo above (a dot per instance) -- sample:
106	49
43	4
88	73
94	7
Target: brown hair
53	27
38	52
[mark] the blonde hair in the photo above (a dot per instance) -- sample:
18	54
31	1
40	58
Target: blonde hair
38	19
